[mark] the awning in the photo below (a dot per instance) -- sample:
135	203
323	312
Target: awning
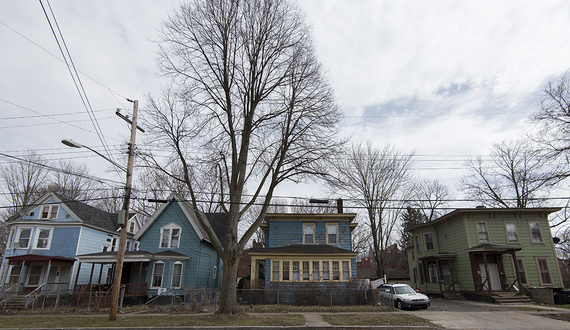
130	256
439	256
40	259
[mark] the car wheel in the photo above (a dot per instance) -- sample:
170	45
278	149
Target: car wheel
398	304
424	307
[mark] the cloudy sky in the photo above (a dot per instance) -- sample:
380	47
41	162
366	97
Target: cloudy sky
445	79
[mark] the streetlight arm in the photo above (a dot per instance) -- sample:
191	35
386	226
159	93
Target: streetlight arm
73	144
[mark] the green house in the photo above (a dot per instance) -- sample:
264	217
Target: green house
484	251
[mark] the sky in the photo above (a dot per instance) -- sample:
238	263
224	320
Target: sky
442	79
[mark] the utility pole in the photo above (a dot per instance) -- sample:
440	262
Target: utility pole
123	238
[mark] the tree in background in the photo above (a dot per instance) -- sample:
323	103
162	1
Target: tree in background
431	197
72	181
518	175
248	105
379	180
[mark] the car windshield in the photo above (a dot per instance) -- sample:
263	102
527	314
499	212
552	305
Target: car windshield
404	289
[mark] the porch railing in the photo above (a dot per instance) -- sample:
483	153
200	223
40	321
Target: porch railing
32	296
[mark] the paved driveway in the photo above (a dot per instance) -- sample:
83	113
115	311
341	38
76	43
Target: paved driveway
462	314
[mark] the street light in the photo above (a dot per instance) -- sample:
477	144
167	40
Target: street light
123	238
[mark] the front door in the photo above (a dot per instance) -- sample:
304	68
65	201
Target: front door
495	280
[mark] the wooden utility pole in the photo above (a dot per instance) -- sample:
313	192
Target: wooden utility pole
123	238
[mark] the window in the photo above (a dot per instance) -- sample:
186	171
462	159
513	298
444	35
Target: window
157	273
35	275
275	270
309	233
43	239
413	255
49	212
14	274
544	271
137	244
170	236
215	272
535	232
109	276
511	228
24	238
332	233
177	275
105	248
417	244
429	241
132	227
432	272
482	235
285	270
522	273
306	273
295	270
345	271
421	272
335	271
315	270
326	275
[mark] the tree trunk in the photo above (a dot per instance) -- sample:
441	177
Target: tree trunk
228	299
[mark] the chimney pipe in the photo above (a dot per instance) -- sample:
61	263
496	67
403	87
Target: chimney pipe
339	205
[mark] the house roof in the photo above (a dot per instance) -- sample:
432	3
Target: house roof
218	221
313	216
480	210
303	249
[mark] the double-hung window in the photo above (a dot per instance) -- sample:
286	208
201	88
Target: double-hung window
544	270
285	270
482	234
428	237
43	239
535	232
306	273
417	244
157	274
176	275
170	236
23	238
309	233
332	233
336	271
275	270
315	270
295	270
522	273
512	235
326	275
345	271
49	212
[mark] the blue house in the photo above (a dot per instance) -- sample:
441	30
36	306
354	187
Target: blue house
44	238
172	252
305	251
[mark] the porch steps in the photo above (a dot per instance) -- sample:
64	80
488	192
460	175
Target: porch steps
505	298
15	302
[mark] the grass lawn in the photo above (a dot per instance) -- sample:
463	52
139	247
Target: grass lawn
375	320
152	321
313	309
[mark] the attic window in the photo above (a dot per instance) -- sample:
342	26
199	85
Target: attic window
170	236
49	212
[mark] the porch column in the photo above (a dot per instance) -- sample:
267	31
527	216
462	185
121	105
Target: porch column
77	276
47	273
252	277
139	279
439	274
100	273
91	276
488	280
517	270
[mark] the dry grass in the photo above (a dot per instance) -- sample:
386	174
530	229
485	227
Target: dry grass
375	320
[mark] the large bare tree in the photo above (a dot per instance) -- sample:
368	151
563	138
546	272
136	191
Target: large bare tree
431	197
248	100
517	175
379	180
22	180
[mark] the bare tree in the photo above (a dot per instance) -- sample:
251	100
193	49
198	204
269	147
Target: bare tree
517	176
249	100
554	117
431	197
379	180
22	180
72	181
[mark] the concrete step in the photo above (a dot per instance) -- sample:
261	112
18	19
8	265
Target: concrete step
518	299
453	296
15	302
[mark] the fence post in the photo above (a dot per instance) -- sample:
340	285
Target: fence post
330	294
278	298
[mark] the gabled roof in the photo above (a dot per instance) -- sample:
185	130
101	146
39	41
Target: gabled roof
303	249
218	221
479	210
82	212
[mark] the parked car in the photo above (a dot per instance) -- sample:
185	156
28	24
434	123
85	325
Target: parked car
403	296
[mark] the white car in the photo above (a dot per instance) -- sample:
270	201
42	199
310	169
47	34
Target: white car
403	296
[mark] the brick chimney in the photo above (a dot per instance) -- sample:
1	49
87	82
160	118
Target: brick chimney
339	205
